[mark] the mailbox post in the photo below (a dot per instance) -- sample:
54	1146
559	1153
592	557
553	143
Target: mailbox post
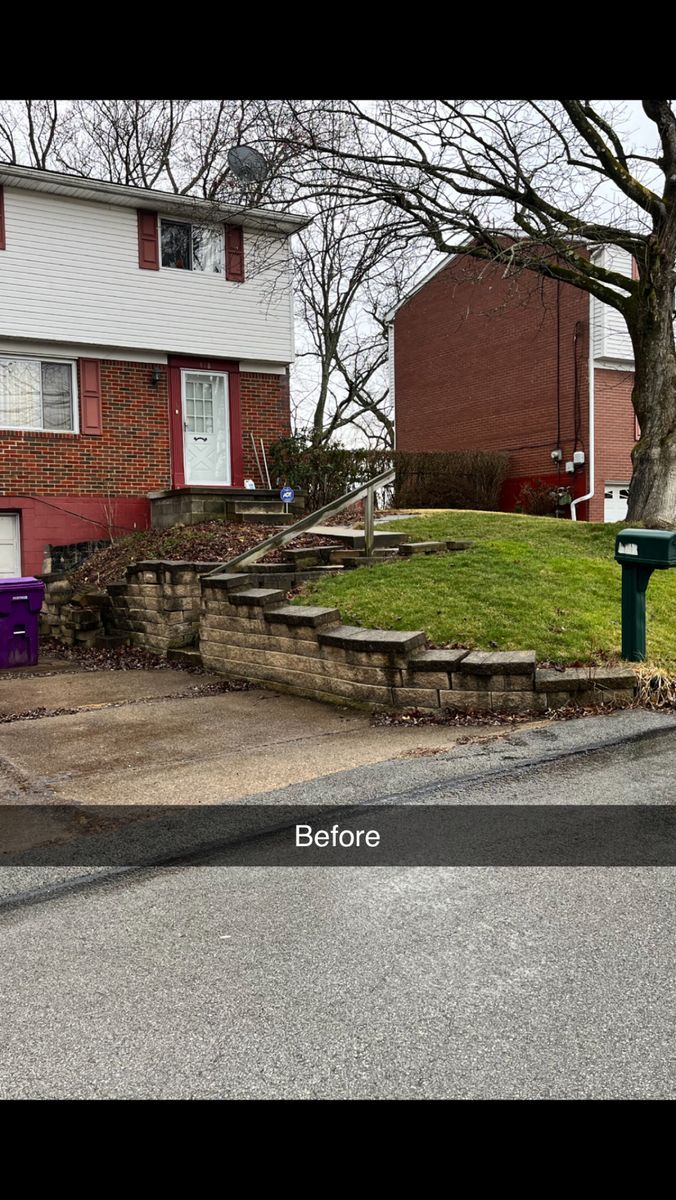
640	552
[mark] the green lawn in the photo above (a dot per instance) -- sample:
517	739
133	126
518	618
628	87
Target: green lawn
532	583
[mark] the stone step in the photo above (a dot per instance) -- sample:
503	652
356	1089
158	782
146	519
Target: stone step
409	548
320	553
264	568
373	641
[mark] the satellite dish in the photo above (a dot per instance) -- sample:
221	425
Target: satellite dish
246	163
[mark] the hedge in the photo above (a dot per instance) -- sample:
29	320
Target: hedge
434	479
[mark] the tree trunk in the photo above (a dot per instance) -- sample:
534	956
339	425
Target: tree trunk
652	496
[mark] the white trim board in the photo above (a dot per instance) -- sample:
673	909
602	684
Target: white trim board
33	349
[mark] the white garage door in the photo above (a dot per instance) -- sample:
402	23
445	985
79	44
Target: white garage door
615	504
10	557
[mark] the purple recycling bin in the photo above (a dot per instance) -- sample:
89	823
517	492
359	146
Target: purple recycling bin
20	604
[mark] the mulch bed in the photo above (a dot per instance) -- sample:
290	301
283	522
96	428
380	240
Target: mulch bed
457	719
119	658
212	541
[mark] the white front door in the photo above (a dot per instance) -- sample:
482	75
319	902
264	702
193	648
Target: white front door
10	550
616	496
206	427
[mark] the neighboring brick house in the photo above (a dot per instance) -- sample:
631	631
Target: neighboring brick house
144	337
481	358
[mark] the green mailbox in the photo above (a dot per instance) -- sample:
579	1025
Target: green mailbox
640	552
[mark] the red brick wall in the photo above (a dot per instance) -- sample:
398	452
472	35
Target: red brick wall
476	368
615	432
130	457
265	413
91	482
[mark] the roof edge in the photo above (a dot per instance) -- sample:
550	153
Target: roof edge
101	191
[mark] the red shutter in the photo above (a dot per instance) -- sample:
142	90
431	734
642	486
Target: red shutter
90	396
148	245
2	219
234	253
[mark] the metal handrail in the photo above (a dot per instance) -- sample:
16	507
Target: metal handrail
291	531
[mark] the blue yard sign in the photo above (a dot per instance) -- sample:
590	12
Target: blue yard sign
287	494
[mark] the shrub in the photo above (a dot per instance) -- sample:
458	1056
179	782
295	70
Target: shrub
449	479
538	499
434	479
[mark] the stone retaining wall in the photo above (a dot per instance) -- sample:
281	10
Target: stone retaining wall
246	629
252	633
70	615
158	607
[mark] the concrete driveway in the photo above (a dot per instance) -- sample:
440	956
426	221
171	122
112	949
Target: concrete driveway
153	737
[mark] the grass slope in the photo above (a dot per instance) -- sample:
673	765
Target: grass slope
528	583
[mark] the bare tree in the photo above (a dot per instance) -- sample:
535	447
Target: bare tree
539	185
29	131
348	272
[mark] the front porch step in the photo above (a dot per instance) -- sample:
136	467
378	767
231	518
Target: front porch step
193	505
267	518
259	506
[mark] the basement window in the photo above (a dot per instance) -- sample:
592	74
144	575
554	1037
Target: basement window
192	247
37	394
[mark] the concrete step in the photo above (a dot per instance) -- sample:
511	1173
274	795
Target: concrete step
353	539
305	573
267	518
259	506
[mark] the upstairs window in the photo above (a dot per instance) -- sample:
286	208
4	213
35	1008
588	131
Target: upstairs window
37	395
193	247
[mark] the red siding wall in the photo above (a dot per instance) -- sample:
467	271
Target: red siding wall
60	520
476	368
265	413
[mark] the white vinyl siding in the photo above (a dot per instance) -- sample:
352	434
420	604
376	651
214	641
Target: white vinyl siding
612	344
70	273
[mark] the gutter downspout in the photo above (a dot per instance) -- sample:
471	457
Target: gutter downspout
592	430
390	375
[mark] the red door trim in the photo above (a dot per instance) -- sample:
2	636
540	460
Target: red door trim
177	363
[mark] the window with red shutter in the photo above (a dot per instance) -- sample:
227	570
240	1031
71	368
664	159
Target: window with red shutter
234	253
90	396
2	219
148	244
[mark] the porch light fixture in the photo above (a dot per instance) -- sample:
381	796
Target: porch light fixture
156	376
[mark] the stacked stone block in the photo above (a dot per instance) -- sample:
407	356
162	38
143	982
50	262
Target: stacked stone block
251	633
158	607
72	616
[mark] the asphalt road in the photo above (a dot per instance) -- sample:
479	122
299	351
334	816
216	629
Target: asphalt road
240	981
